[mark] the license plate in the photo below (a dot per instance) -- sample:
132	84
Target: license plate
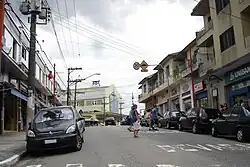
50	141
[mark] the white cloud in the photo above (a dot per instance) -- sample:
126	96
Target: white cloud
160	27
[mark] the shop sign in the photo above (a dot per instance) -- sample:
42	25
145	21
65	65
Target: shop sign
241	85
198	87
239	73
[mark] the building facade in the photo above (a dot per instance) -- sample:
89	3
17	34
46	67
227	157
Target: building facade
219	55
14	76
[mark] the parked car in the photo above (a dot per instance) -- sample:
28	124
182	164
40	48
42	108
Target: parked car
56	127
125	121
198	119
110	121
235	122
170	119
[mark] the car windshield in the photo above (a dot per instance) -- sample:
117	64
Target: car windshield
176	114
246	111
54	115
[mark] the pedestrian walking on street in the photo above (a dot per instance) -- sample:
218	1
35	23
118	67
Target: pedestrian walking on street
154	113
135	120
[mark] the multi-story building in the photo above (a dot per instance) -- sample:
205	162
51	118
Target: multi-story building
226	33
98	99
14	76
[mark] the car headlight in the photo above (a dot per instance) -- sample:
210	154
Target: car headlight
31	133
71	129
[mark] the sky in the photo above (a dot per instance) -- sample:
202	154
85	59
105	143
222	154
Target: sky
108	36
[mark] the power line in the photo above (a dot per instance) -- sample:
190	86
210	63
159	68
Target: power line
70	35
74	4
58	8
99	41
99	34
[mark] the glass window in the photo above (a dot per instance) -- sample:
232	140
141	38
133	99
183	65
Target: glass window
246	111
227	39
54	115
15	49
24	53
8	44
37	71
236	111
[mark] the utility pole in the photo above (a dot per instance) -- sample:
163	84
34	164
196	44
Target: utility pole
54	88
192	76
34	8
68	90
132	98
2	2
75	95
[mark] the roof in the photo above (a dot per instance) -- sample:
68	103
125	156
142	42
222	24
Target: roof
191	44
167	58
146	78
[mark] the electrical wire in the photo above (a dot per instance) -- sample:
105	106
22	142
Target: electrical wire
109	45
98	34
58	8
74	4
70	35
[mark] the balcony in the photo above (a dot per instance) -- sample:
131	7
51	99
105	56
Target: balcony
201	9
204	34
142	98
164	85
187	71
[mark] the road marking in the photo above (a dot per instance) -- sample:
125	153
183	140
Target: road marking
116	165
160	132
34	166
204	147
215	165
74	165
164	165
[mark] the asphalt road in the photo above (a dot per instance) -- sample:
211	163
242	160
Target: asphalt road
107	146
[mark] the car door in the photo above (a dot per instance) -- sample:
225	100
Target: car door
185	119
232	120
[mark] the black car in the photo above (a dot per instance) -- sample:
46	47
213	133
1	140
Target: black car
170	119
198	119
110	121
235	122
57	127
125	121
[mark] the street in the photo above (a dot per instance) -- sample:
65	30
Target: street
107	146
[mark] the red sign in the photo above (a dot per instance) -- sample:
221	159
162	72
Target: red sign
198	87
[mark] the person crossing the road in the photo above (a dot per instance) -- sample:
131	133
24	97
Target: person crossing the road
135	120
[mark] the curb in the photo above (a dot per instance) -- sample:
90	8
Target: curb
12	160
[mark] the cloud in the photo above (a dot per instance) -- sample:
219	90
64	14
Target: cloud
154	27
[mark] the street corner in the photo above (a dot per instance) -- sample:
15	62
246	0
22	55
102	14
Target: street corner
13	159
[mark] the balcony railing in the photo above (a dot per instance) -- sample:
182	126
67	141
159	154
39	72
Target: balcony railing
204	30
188	70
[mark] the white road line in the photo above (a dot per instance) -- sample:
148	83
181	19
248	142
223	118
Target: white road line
34	166
164	165
116	165
74	165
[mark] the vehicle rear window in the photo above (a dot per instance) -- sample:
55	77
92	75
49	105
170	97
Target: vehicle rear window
212	113
54	115
176	114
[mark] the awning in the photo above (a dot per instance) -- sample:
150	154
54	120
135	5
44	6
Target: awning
18	94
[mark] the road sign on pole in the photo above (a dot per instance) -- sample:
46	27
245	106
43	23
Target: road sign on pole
136	66
144	66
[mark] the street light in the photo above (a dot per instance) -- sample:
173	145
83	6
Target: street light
80	80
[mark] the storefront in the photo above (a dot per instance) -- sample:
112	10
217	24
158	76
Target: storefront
175	99
201	95
185	100
238	85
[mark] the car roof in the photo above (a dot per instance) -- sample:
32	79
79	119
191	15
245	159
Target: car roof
57	107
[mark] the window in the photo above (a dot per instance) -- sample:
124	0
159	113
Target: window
24	52
15	49
221	4
167	72
227	39
94	102
7	46
144	88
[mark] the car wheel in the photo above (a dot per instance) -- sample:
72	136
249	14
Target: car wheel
213	131
168	125
180	128
240	135
79	142
194	128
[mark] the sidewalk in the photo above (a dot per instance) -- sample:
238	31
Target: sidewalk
12	148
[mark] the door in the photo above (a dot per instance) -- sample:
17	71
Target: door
232	120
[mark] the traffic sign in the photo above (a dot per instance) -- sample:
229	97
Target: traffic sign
144	66
136	66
